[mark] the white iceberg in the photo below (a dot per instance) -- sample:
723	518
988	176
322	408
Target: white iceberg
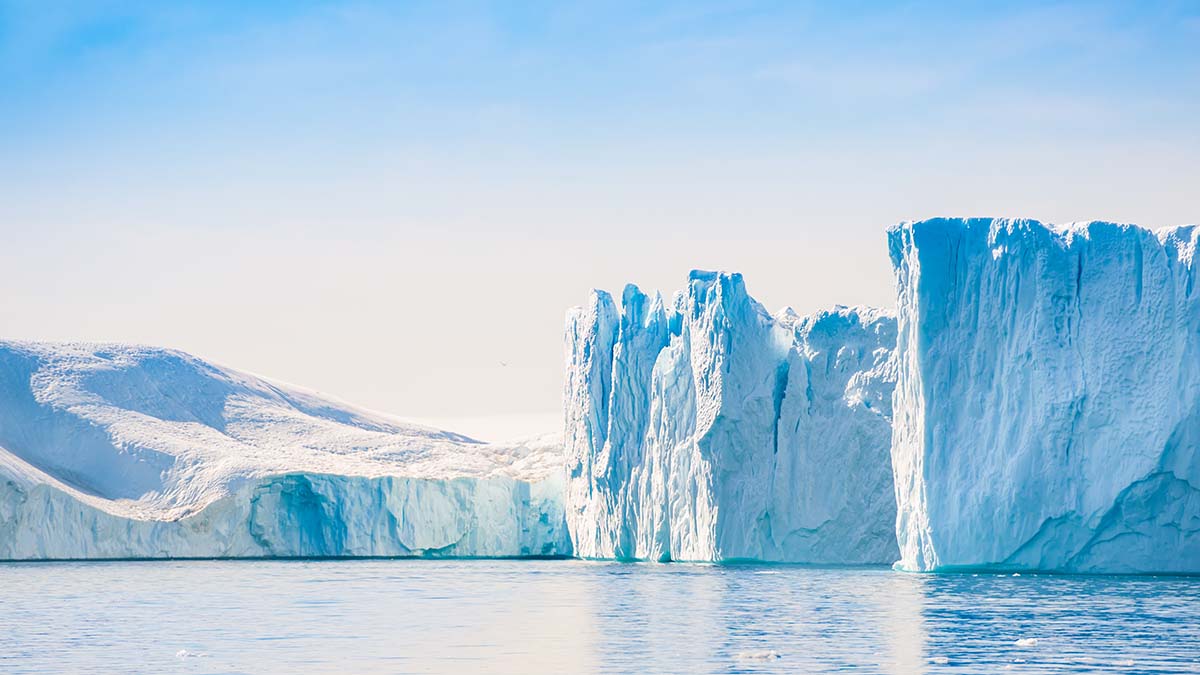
709	429
117	451
1047	410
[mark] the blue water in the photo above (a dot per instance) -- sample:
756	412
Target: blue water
393	616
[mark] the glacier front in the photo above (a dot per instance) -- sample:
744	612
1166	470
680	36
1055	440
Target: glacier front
1047	409
117	451
708	429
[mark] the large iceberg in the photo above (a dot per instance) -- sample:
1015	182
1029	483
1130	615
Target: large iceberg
708	429
112	451
1047	410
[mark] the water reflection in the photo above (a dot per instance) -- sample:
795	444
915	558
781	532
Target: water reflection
751	619
553	617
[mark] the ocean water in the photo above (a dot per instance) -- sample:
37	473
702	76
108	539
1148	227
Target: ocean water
421	616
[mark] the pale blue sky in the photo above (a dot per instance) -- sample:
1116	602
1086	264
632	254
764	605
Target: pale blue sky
385	201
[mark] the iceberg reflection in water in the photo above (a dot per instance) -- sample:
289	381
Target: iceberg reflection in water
414	616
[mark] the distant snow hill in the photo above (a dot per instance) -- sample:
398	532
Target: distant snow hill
119	451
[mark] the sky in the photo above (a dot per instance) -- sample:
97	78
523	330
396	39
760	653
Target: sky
395	203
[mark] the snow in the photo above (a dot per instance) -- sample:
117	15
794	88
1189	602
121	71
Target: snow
1047	410
708	429
129	451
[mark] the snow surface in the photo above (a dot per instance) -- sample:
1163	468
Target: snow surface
709	429
127	451
1048	396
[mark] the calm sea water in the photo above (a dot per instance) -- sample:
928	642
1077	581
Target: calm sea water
407	616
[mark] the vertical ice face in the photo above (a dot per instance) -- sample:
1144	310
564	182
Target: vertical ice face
708	429
1048	396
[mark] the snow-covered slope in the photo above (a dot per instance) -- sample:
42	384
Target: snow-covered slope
1048	396
123	451
710	430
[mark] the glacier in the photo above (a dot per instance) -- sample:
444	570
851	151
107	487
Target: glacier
1033	404
1047	405
708	429
119	451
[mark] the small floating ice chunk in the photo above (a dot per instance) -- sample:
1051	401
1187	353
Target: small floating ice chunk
1027	642
940	660
1124	663
758	655
188	654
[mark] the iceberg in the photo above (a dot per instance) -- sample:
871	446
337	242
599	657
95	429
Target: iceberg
118	451
708	429
1047	405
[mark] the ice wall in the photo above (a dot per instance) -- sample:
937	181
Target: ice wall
1047	409
708	429
119	451
296	515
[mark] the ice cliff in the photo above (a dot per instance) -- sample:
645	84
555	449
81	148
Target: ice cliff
114	451
1047	410
708	429
1035	405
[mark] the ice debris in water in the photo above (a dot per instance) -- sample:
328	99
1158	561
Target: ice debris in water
1027	642
759	655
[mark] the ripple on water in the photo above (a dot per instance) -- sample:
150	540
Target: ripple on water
327	617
